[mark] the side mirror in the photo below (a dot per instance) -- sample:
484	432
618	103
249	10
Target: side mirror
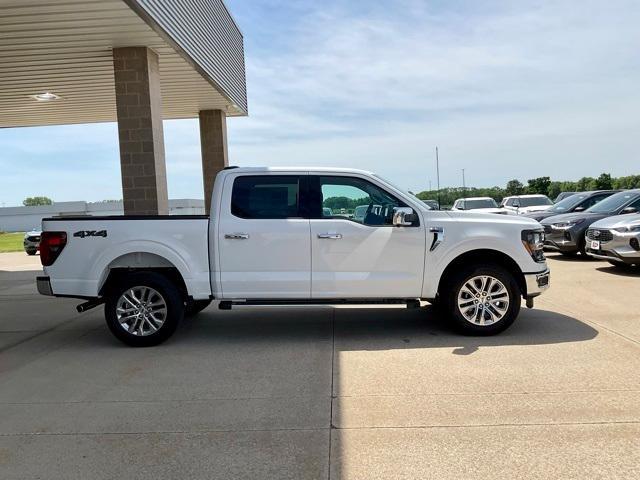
403	217
516	204
628	210
579	208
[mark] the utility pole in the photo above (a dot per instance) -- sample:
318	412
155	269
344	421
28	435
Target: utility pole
438	176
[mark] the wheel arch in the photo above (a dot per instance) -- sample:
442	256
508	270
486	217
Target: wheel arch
484	256
140	262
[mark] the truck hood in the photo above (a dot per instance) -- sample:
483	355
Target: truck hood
618	221
500	211
484	218
569	217
535	208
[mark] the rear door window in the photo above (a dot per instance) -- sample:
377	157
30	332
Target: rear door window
263	197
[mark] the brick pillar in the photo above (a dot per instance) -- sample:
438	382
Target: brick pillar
138	104
213	143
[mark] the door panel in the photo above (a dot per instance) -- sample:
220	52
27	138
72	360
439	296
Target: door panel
262	257
366	262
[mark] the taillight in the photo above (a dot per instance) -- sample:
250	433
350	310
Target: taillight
51	244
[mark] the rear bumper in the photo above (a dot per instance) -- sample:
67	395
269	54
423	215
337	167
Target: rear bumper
537	283
44	286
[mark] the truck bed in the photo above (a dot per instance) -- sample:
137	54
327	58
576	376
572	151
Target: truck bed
97	244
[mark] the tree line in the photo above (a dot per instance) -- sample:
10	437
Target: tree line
540	185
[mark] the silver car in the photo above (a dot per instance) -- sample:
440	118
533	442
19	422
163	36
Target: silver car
615	239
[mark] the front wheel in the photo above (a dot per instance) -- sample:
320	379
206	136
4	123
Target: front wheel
31	252
143	309
482	300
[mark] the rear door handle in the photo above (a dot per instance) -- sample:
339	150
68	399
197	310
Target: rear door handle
236	236
331	236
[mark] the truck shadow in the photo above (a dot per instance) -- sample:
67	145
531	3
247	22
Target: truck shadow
373	328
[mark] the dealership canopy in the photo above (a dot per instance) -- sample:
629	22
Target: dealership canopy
132	61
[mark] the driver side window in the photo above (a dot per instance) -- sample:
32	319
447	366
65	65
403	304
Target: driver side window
357	200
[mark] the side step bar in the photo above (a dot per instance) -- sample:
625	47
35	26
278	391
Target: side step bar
409	302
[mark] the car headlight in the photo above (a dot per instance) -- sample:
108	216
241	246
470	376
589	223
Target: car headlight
533	241
629	229
567	225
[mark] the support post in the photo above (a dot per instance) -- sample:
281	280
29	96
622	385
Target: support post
139	110
213	142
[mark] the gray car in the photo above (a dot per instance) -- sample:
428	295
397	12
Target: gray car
615	239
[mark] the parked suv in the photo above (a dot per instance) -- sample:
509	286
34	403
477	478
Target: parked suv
615	239
31	241
522	204
565	233
578	202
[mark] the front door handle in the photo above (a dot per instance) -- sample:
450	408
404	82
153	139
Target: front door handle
331	236
236	236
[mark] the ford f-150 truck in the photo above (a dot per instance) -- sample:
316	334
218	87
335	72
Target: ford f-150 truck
273	238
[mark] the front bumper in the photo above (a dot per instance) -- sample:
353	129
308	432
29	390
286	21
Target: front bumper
44	286
619	249
537	282
560	240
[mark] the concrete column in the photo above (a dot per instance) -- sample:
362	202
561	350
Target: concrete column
213	143
138	104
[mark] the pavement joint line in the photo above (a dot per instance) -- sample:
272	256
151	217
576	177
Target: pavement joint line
333	359
165	432
198	400
284	397
321	429
585	319
469	394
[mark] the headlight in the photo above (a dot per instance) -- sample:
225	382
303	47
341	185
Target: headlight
567	225
533	241
629	229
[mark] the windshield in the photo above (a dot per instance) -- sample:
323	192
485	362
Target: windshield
480	203
613	203
568	203
534	201
407	192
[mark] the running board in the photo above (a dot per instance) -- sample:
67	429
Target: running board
229	304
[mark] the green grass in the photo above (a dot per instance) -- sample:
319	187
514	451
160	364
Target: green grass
11	242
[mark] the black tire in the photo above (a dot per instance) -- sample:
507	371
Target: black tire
455	283
31	252
169	293
570	254
195	307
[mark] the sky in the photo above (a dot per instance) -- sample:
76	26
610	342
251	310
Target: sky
504	89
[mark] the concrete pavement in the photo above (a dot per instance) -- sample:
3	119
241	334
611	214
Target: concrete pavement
344	393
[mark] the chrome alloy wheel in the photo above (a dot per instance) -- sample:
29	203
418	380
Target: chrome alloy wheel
141	311
483	300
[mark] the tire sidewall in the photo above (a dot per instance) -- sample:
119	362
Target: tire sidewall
460	323
171	296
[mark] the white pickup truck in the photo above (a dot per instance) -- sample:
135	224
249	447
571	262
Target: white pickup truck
273	238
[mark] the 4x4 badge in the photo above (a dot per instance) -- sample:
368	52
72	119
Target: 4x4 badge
90	233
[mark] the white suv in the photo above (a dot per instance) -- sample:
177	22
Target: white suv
522	204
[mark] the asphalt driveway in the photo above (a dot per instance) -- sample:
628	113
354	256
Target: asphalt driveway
342	393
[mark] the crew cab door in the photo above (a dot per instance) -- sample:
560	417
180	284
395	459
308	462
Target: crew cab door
363	255
263	239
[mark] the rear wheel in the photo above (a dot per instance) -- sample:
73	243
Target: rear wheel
31	252
144	309
482	300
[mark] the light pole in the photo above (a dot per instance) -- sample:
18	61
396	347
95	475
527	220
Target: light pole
438	176
464	185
